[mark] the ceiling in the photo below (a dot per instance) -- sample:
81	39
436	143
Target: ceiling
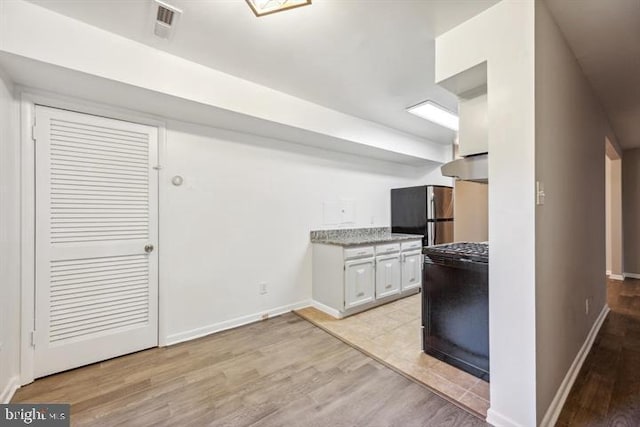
370	59
605	37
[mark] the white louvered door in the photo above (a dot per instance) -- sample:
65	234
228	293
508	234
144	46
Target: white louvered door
96	210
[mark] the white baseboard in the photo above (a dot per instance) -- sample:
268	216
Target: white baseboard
616	276
632	275
10	389
325	308
233	323
608	272
553	412
499	420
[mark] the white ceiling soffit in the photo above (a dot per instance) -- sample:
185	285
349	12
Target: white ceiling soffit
605	37
364	58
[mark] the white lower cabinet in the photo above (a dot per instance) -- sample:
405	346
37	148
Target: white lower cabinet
359	282
388	276
351	279
411	270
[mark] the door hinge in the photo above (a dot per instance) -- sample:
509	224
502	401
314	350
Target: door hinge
33	339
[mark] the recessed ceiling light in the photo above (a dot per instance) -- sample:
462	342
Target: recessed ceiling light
265	7
434	113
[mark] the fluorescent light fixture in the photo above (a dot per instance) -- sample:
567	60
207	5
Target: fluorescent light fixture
434	113
265	7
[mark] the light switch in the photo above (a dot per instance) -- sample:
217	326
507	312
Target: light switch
539	193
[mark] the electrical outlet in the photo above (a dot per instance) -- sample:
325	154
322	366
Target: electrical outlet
262	286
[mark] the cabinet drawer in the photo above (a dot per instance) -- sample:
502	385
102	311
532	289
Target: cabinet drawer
412	245
387	248
361	252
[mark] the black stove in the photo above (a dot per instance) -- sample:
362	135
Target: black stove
455	305
465	251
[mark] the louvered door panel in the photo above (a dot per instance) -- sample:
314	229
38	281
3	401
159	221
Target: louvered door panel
96	288
99	172
92	295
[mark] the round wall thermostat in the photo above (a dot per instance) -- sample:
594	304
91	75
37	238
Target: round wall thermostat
177	180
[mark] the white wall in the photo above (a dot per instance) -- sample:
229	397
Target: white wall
503	36
243	216
9	240
571	130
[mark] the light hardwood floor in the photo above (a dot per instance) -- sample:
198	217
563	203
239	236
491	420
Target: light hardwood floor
607	389
391	334
280	372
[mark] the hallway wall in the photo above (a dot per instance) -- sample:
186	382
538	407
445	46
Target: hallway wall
570	132
631	210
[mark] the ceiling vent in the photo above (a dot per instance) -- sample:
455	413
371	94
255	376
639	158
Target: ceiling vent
166	17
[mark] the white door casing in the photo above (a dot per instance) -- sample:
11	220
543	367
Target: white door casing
96	210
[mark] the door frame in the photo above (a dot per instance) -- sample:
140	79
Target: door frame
29	98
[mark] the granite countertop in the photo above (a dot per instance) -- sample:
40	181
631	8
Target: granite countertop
360	236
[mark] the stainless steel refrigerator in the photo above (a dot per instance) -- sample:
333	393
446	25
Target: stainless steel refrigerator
425	210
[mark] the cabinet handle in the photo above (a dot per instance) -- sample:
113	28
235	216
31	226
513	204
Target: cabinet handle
362	253
412	280
361	294
388	286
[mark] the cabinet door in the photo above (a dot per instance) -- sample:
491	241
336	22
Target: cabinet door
388	276
411	270
359	286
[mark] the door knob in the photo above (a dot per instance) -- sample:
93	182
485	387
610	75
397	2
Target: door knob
148	248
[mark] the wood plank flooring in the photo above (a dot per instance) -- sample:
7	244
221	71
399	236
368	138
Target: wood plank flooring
391	334
280	372
607	389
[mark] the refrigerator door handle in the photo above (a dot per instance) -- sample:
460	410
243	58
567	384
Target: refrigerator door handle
434	208
430	240
430	207
435	233
432	234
